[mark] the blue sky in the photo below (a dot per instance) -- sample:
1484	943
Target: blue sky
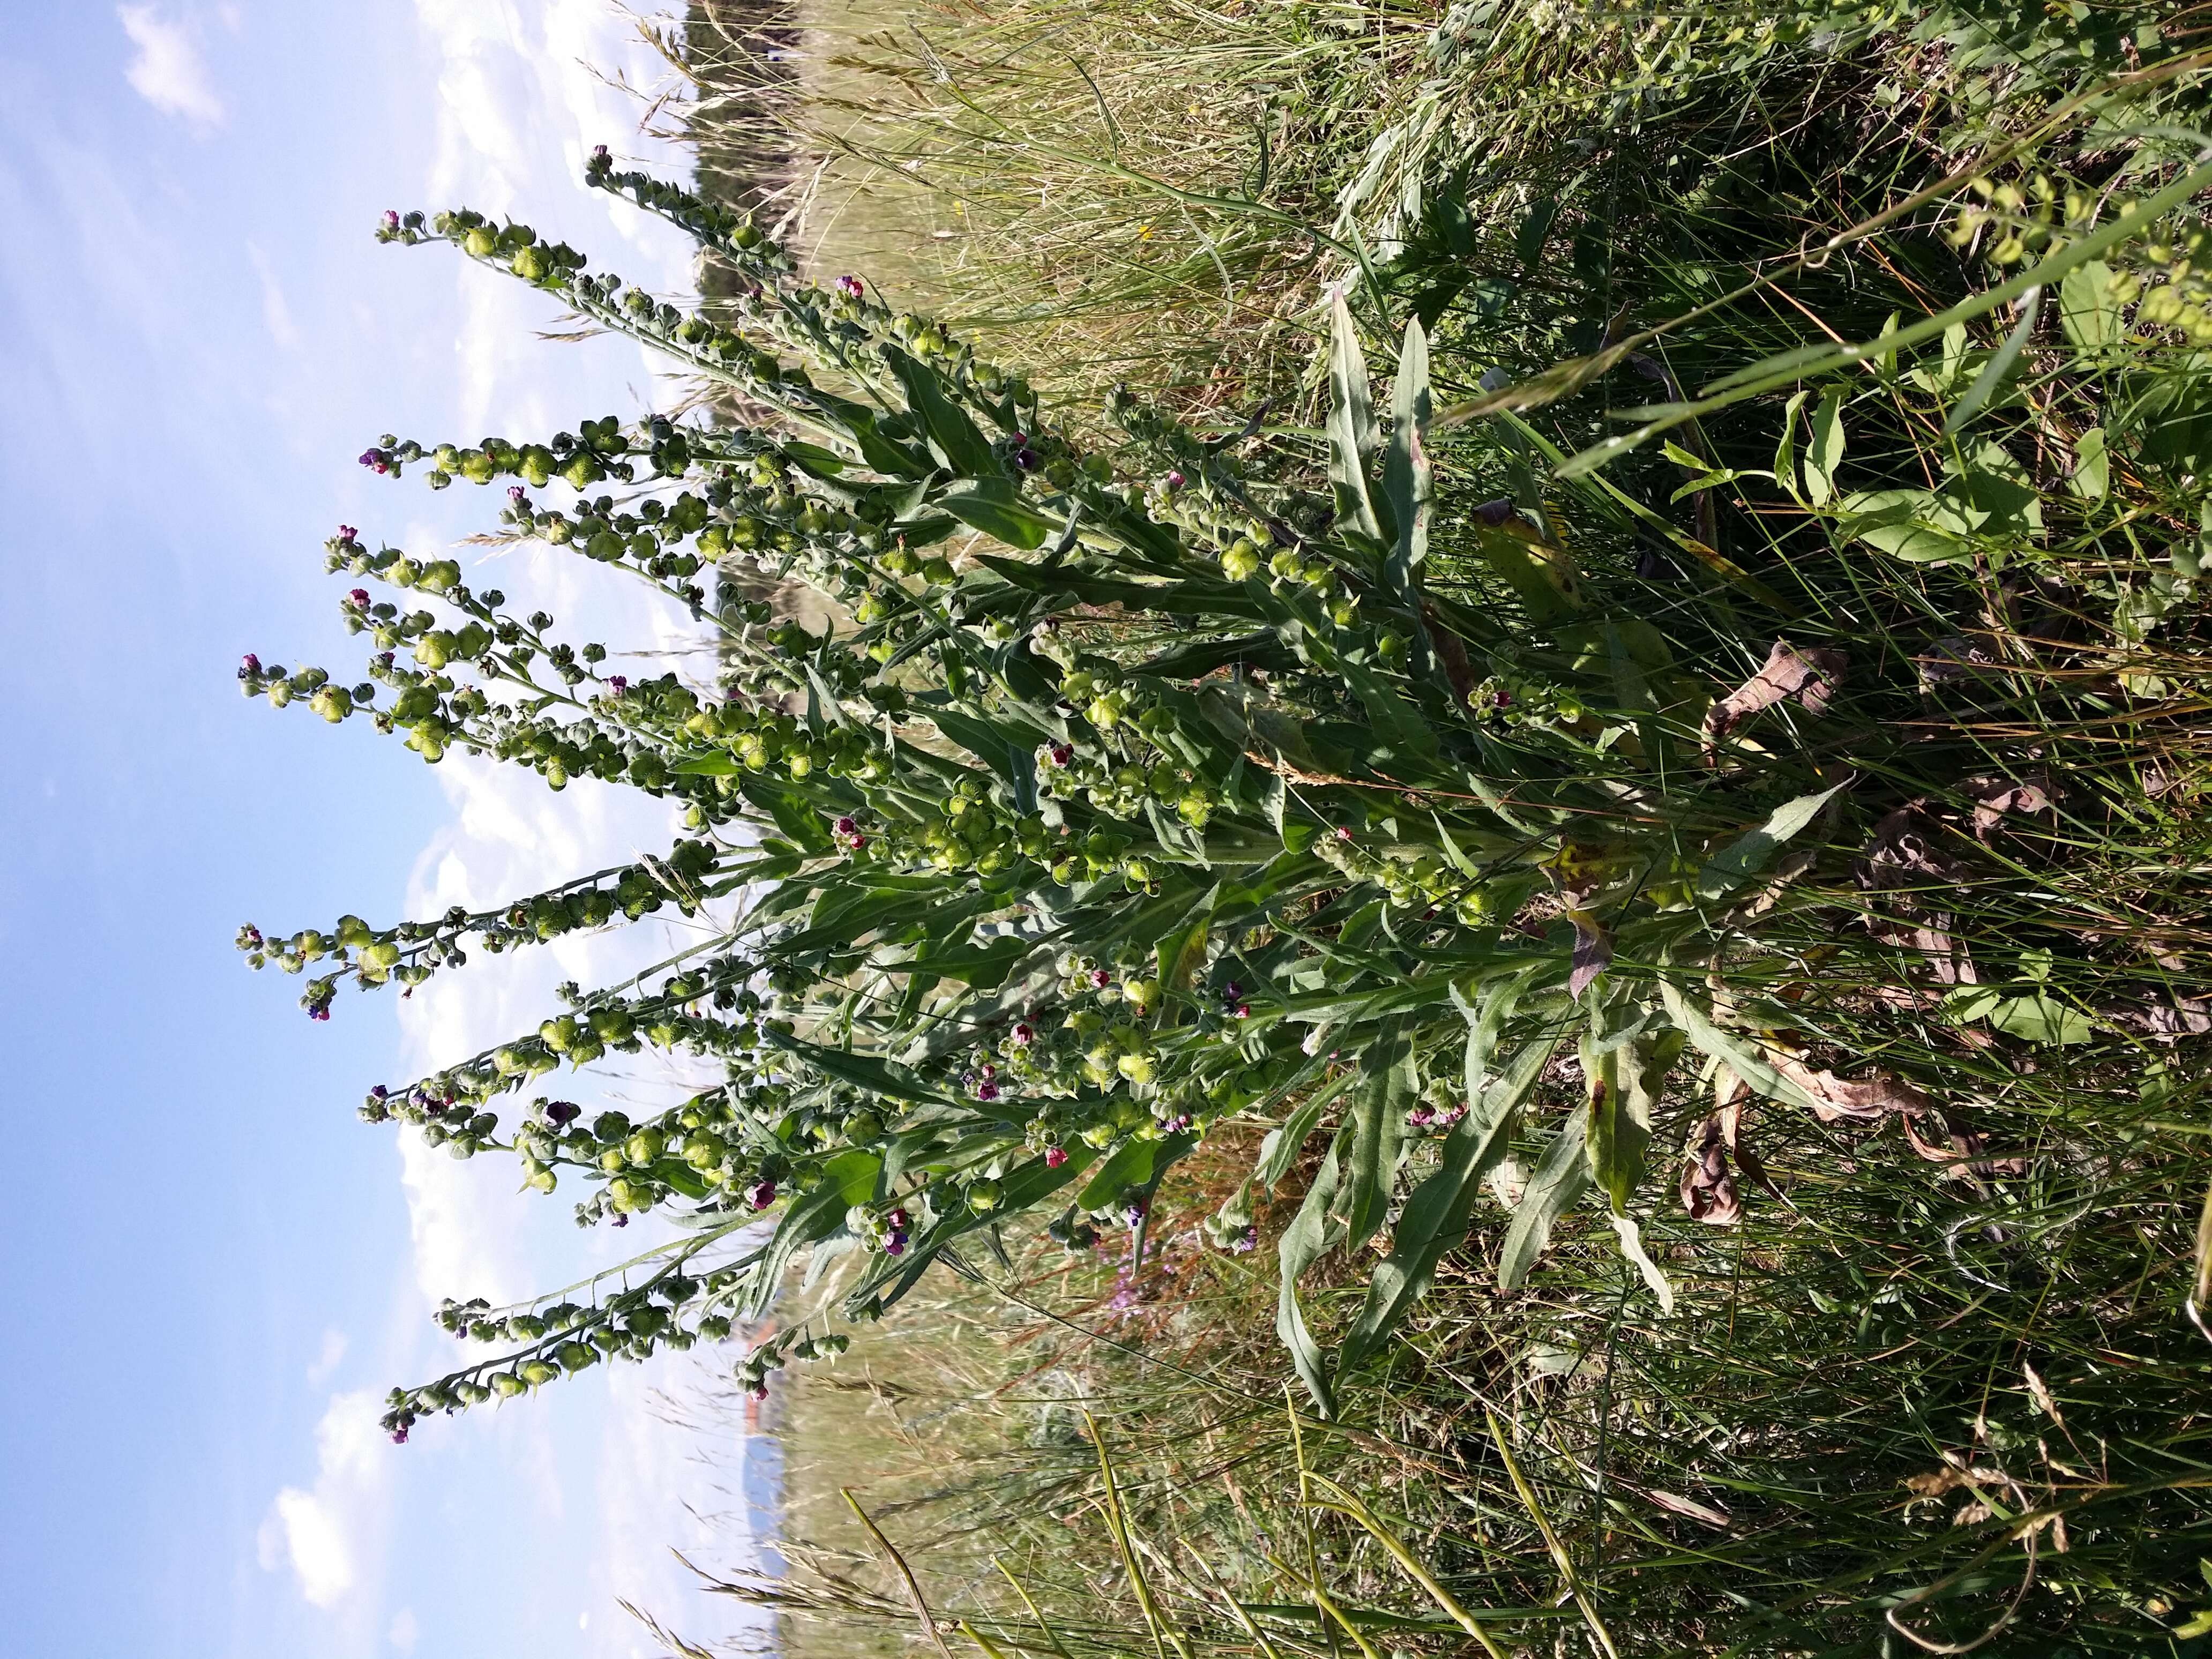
212	1271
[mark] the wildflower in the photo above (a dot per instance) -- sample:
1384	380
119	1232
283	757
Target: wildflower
895	1245
857	842
1420	1117
376	461
563	1113
1176	1125
249	667
380	1092
515	493
758	1391
850	287
845	826
391	219
1054	1157
1026	460
1135	1212
761	1194
1243	1011
617	684
1174	481
1100	979
900	1220
987	1090
347	532
358	598
321	1011
1344	832
1501	699
599	153
1250	1238
399	1434
1025	1034
1062	753
621	1221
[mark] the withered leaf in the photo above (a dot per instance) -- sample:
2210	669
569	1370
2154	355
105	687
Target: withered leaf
1837	1099
1593	952
1995	797
1811	676
1707	1185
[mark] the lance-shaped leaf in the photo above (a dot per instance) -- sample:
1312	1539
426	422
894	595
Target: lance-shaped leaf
1435	1218
951	433
1378	1138
1304	1241
1748	855
995	507
1407	480
1352	436
1561	1176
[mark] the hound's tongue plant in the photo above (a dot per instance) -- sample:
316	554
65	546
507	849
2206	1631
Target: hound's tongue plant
1136	792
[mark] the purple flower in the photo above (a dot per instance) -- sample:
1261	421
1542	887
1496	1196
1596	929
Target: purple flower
347	532
514	494
617	684
1242	1010
857	842
1054	1157
1250	1238
900	1220
1100	979
358	598
1026	460
621	1221
849	287
895	1245
1420	1117
1135	1212
1501	699
399	1434
1174	481
392	218
1344	832
1025	1034
376	461
845	826
761	1194
1020	441
1177	1124
249	667
758	1391
321	1011
563	1112
986	1090
380	1091
1062	753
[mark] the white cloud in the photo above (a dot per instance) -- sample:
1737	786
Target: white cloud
327	1534
276	314
404	1631
326	1362
168	71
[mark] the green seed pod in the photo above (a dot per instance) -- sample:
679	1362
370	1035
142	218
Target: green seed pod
646	1146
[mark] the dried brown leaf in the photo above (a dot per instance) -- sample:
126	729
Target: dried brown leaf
1593	952
1811	676
1995	797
